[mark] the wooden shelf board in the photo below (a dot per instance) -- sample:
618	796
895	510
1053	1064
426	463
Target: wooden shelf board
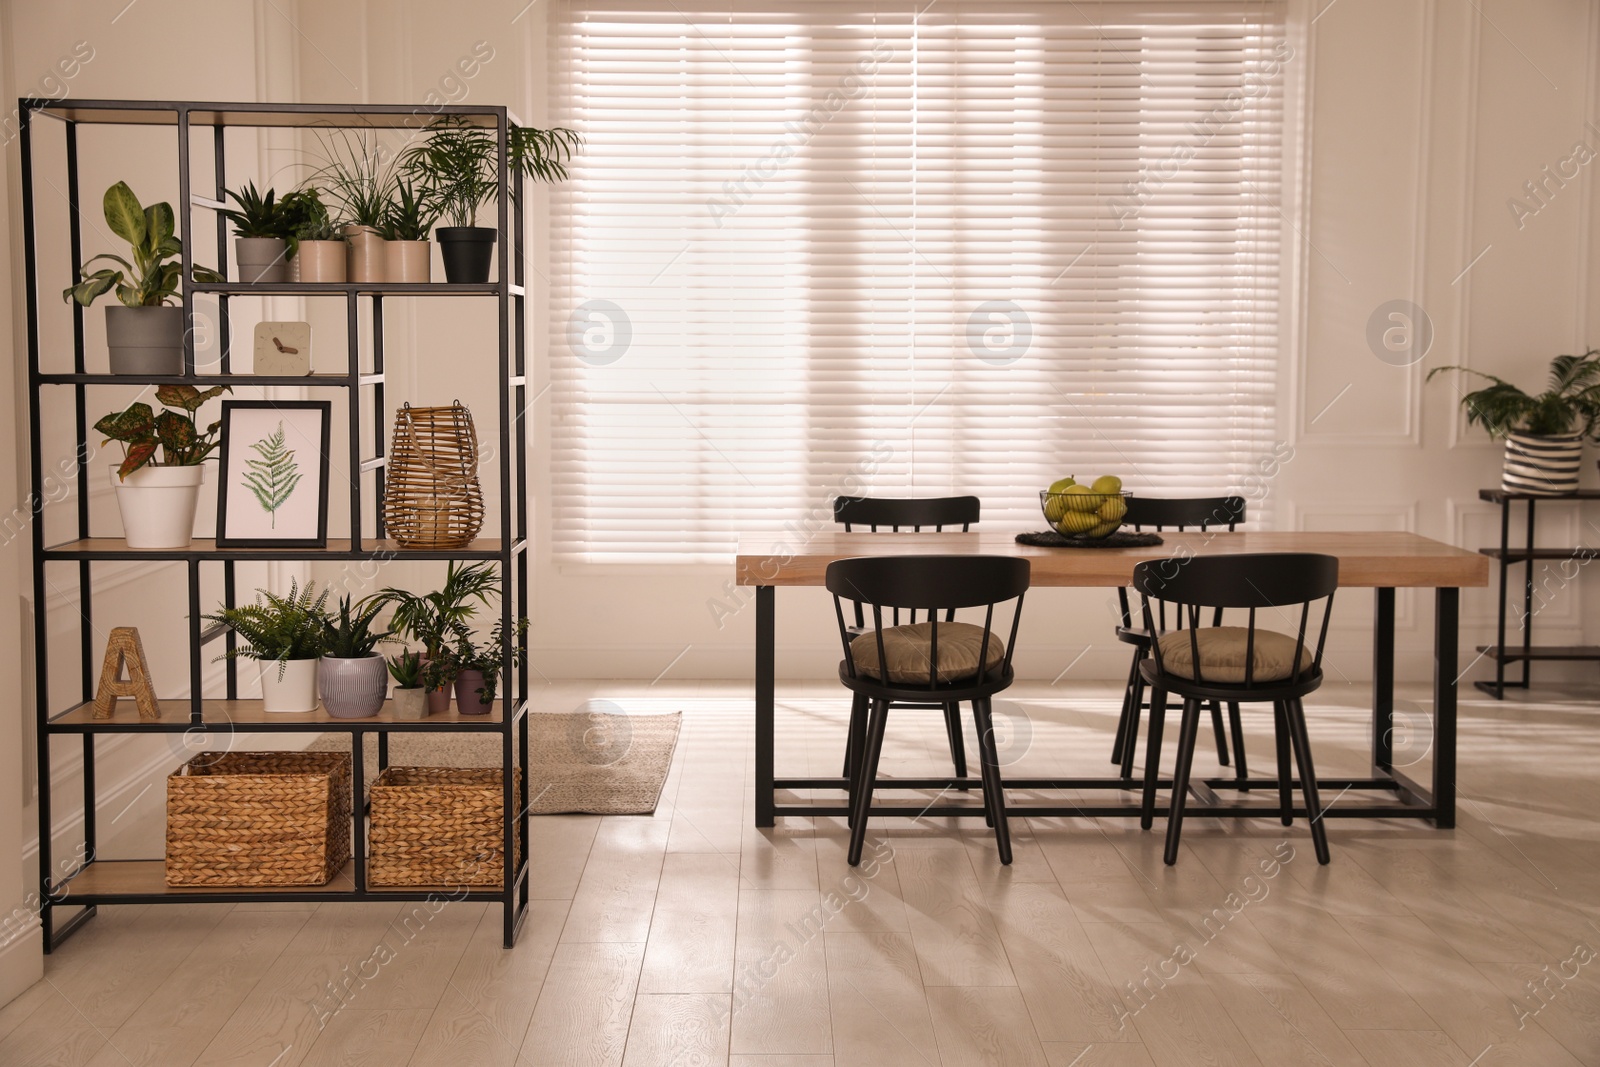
1546	652
149	878
249	713
205	548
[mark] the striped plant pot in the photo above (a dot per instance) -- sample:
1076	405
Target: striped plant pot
1537	465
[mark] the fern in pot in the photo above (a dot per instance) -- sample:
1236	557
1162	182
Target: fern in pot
286	635
353	677
1544	434
458	165
145	332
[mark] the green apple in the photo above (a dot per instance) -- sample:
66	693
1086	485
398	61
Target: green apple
1107	483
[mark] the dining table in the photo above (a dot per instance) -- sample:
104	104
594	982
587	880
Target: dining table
1383	561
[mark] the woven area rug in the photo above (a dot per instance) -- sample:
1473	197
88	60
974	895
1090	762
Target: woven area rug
586	761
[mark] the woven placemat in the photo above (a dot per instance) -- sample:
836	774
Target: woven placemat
1120	539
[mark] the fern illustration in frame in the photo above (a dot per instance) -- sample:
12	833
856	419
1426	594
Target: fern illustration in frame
274	478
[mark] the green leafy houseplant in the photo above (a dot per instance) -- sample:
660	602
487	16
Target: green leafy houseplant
406	670
141	431
457	164
1569	404
358	176
489	658
308	218
410	215
258	215
437	620
351	635
153	276
278	628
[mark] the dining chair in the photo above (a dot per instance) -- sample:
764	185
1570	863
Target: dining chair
1241	664
898	515
935	663
1174	513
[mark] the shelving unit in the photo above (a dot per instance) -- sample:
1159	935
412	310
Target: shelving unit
1507	555
95	881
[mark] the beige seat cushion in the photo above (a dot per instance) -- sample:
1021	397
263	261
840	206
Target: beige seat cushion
908	647
1222	655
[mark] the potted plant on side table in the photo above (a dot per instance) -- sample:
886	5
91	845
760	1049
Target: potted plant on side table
285	635
478	668
261	228
145	334
1544	434
457	164
157	498
317	252
353	678
410	698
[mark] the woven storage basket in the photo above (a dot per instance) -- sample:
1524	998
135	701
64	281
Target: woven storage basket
431	496
438	826
258	819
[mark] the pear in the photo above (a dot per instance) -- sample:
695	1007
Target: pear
1080	498
1107	483
1060	485
1113	509
1076	522
1105	529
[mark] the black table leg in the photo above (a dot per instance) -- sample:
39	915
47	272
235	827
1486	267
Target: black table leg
1383	679
766	683
1446	619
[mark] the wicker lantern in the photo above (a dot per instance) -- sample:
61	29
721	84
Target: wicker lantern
432	498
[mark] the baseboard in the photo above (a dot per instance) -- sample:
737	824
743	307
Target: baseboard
21	963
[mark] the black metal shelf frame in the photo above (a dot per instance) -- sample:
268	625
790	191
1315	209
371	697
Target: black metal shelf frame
507	290
1526	554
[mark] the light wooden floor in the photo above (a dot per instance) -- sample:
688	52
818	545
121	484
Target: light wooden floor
690	938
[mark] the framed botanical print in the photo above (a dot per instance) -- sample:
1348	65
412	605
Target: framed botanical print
274	479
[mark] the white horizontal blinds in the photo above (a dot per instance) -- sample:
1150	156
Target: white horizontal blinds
969	249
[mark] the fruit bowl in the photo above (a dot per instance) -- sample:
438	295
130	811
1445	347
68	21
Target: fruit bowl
1085	515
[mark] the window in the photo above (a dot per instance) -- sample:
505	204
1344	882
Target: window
808	250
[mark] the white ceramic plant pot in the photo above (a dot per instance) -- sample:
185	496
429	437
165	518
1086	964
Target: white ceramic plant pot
353	688
158	505
295	690
1540	465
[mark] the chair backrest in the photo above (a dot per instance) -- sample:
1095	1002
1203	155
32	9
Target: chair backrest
933	584
1181	513
1248	581
899	513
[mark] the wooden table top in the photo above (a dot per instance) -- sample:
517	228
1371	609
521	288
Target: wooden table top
1378	558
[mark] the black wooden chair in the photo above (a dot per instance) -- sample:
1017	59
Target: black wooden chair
936	663
1247	664
897	515
1177	513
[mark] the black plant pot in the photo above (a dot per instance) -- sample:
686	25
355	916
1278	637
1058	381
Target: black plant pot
467	251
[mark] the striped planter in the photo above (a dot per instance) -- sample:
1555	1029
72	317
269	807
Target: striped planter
1537	465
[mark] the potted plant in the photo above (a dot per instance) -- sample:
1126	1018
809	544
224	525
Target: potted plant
409	217
285	635
261	228
361	181
353	677
478	668
458	166
317	251
145	334
157	498
410	698
1544	434
437	675
438	620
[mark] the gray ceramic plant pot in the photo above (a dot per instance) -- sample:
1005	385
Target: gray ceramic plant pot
145	340
262	259
353	688
410	704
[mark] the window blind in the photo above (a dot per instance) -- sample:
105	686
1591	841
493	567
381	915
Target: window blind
914	249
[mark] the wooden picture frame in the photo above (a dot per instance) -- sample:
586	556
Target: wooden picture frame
263	500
